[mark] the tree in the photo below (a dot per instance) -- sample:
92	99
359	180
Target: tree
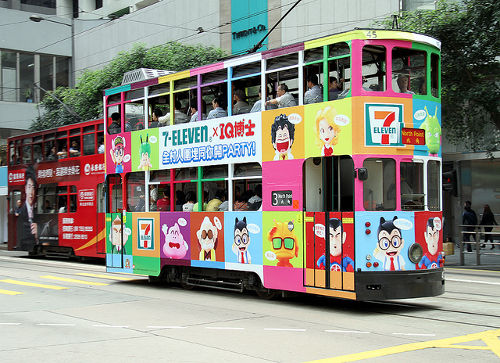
86	98
470	82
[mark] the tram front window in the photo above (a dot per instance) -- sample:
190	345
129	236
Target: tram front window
412	186
379	190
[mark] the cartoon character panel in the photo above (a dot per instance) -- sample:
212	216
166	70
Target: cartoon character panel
175	238
383	240
243	236
118	156
283	241
283	187
428	233
119	242
328	128
145	150
207	236
283	134
427	116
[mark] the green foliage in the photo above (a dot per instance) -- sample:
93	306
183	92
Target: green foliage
469	31
86	99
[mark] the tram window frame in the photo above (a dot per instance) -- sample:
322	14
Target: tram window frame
218	180
388	186
249	174
26	154
101	197
340	67
412	189
37	152
47	192
283	76
367	75
406	63
134	115
110	110
319	74
250	85
208	93
114	193
88	144
133	182
14	196
161	102
77	152
184	97
434	185
435	78
62	143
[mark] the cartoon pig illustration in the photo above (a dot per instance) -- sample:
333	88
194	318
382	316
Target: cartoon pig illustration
175	246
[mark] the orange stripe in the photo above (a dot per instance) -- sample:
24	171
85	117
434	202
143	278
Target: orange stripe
93	241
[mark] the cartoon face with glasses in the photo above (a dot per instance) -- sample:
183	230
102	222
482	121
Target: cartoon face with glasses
241	241
117	153
207	237
390	245
284	243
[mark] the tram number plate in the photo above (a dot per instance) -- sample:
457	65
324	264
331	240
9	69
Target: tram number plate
281	198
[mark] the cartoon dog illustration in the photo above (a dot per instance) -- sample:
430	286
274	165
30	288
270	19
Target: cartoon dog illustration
284	243
241	241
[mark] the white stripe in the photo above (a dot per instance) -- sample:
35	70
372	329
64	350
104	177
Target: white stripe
416	334
284	329
10	323
474	281
223	328
166	327
47	324
347	331
110	326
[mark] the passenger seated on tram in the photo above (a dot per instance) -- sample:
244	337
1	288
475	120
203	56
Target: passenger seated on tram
141	202
100	149
154	118
241	106
284	99
314	94
194	110
218	110
334	88
180	117
255	202
214	204
241	201
257	105
63	153
188	206
115	126
163	204
74	150
403	81
52	154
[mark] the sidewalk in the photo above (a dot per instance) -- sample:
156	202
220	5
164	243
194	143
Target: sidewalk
490	259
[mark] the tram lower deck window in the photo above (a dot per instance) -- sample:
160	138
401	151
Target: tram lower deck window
379	190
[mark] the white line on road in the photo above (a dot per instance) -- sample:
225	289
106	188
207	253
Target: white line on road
474	281
110	326
166	327
347	331
283	329
10	323
415	334
54	324
223	328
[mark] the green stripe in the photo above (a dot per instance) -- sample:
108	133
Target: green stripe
118	89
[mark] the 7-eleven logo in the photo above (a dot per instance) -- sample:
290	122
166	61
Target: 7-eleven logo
383	124
145	240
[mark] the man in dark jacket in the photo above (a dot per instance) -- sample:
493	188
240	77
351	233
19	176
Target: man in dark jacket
27	228
469	218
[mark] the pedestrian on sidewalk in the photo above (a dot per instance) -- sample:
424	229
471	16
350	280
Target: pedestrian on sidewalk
488	219
469	218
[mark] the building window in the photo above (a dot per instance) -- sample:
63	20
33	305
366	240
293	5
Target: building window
98	4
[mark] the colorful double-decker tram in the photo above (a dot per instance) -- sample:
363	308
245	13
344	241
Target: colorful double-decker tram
56	191
312	168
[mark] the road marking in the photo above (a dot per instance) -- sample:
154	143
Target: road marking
415	334
489	337
10	292
10	323
54	324
105	276
32	284
109	326
223	328
65	279
283	329
474	281
347	331
470	269
166	327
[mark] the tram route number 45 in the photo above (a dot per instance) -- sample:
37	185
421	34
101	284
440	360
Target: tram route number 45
281	198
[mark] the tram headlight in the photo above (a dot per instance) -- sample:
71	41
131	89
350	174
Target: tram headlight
415	253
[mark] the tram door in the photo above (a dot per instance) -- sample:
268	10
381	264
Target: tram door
329	202
100	216
115	228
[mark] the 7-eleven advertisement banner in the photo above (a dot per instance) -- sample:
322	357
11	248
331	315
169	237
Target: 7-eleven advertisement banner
383	124
145	230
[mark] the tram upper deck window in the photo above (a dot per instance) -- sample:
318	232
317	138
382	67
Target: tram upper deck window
88	144
379	190
435	75
37	152
288	77
134	116
373	68
433	185
27	154
409	74
158	107
339	71
412	185
114	120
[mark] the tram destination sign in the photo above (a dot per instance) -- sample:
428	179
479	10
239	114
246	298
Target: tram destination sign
281	198
413	136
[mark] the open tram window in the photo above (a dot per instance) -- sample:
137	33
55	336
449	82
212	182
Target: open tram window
37	152
329	184
214	185
433	185
62	199
245	95
412	185
247	187
114	121
184	92
88	144
74	146
209	93
373	68
134	115
339	71
313	83
435	75
288	77
379	190
114	193
409	74
62	148
15	201
185	189
27	154
135	192
72	199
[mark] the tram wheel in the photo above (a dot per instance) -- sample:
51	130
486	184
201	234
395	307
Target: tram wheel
267	294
